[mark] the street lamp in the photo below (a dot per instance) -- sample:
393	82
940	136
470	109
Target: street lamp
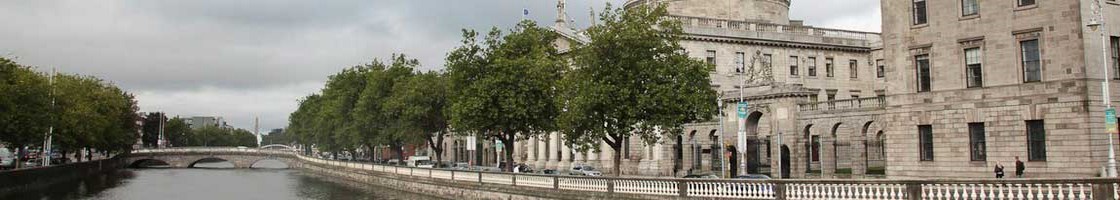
1098	25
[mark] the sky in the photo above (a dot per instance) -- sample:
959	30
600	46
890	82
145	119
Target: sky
256	58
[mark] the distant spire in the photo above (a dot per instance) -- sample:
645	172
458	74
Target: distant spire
561	15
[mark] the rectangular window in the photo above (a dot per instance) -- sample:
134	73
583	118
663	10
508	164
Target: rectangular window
740	62
969	7
828	67
1025	2
1032	65
921	63
793	66
1036	140
711	57
1114	43
973	67
925	137
880	70
977	143
853	68
816	148
812	66
919	12
766	61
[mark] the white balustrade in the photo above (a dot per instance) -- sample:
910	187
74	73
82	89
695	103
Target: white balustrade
1058	191
497	178
638	186
845	191
441	174
585	184
466	176
535	181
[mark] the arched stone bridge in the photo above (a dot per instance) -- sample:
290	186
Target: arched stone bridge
188	157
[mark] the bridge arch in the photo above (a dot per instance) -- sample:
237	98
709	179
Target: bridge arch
148	162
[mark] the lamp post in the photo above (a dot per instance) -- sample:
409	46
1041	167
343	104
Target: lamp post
1099	25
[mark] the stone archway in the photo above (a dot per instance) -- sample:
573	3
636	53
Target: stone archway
148	162
205	160
837	144
811	147
752	154
785	162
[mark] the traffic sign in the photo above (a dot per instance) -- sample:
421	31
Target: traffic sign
1110	120
742	109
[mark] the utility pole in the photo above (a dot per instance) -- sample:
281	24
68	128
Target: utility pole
50	131
161	143
1099	24
257	129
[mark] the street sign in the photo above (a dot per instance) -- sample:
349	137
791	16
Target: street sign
742	109
498	145
1110	120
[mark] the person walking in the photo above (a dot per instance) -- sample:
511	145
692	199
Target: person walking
1019	168
999	170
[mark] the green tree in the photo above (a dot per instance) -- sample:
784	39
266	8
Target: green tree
633	79
377	124
24	104
177	132
150	129
505	88
421	102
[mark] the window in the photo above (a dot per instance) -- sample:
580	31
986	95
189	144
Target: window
816	148
711	57
740	62
969	7
925	137
1025	2
1036	140
793	66
919	12
828	67
1032	67
853	68
977	143
972	63
766	60
812	66
625	149
1114	43
921	63
880	70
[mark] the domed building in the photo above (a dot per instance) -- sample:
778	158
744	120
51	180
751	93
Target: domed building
791	74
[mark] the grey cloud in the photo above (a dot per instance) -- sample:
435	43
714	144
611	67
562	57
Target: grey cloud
256	57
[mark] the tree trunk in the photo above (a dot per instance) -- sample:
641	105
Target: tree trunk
398	151
617	160
78	155
437	147
507	143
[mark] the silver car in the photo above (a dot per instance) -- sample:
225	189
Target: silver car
7	159
585	170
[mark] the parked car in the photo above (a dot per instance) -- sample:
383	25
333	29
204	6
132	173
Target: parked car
7	159
702	176
461	166
522	168
584	170
753	176
548	171
33	163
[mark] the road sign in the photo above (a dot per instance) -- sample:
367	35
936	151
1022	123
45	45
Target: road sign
498	145
1110	120
742	109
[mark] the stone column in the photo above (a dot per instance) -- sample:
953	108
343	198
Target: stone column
531	149
858	153
565	154
828	157
542	155
553	157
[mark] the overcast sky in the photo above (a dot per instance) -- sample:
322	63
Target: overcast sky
244	58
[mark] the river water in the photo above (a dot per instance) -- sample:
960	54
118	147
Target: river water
213	181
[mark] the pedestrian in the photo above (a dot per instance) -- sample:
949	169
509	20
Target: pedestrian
1019	167
999	170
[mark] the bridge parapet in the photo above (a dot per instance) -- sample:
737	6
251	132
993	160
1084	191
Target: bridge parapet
187	157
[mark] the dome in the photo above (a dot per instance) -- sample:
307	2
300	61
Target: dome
769	11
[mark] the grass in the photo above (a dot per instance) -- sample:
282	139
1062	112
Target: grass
844	171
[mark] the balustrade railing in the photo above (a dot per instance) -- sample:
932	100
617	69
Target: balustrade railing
979	189
826	35
844	104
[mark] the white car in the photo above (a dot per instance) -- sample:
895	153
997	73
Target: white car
7	159
585	170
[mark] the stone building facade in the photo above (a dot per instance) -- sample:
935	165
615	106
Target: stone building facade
949	89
